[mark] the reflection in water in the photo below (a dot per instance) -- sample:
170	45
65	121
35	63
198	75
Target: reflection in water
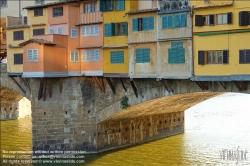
216	125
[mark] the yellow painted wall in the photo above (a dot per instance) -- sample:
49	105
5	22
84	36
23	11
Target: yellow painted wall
231	42
38	20
115	68
11	51
116	17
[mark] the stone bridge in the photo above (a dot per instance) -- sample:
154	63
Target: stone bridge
66	111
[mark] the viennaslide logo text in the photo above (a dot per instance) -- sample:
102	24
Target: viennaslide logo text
238	155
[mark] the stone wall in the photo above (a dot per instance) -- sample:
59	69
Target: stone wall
128	132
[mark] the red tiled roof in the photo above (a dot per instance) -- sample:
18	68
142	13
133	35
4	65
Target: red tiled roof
115	46
89	47
50	4
17	26
39	24
87	23
40	41
143	11
153	41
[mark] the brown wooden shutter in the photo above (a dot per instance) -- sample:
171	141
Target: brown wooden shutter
211	19
201	57
230	18
242	56
225	56
198	20
243	18
247	56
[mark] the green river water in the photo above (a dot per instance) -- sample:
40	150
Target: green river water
213	127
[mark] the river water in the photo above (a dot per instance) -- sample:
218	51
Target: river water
217	132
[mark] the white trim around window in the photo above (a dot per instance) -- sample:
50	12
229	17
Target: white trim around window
90	30
74	56
74	33
90	55
32	55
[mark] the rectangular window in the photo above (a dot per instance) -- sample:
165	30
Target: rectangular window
74	33
60	30
106	5
120	5
116	57
90	56
57	11
89	7
222	19
142	55
244	56
38	31
214	57
74	57
121	29
38	12
33	55
146	23
109	29
244	18
90	30
18	35
173	21
176	54
18	58
3	3
51	31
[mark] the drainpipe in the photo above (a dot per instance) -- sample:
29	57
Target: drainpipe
20	8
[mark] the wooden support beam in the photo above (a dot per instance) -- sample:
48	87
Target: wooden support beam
18	85
134	88
201	85
110	84
123	85
103	84
168	88
50	88
45	87
243	85
97	81
237	85
26	83
41	93
40	88
222	85
61	85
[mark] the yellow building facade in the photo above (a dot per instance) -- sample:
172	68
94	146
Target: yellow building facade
20	30
116	36
221	40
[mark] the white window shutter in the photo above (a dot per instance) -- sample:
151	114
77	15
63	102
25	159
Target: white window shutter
72	56
74	33
96	30
35	55
88	31
88	56
92	55
30	55
60	30
84	58
97	56
51	30
76	56
84	31
92	30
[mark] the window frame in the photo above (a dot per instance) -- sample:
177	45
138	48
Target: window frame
90	58
93	7
37	30
116	57
58	13
18	61
176	46
143	55
71	33
222	14
84	28
211	56
123	27
245	56
58	30
3	3
17	38
74	56
32	55
106	7
39	12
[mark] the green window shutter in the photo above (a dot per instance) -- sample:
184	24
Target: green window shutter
164	22
139	56
113	57
183	20
146	23
172	57
151	23
120	57
247	56
170	22
174	44
107	30
198	20
177	20
125	24
146	55
101	5
180	55
225	56
201	57
120	5
135	24
112	29
180	44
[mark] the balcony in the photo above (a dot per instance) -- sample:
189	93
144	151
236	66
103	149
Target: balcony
90	18
16	21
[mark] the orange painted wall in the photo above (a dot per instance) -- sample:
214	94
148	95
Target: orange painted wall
33	66
59	19
87	41
91	66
